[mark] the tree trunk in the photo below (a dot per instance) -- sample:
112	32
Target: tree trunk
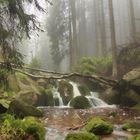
74	31
113	40
132	20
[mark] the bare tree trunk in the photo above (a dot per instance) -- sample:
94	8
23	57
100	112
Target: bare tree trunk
113	39
132	20
74	31
102	28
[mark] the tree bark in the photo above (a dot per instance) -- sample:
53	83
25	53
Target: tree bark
113	40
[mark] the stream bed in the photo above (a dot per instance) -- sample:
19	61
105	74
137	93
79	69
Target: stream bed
62	120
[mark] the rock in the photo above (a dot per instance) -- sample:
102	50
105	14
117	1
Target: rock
98	127
66	91
81	136
132	126
137	137
45	98
80	102
84	90
22	109
4	105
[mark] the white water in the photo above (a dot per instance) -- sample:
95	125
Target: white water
56	94
94	99
75	89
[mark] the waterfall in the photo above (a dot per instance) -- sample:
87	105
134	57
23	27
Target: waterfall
56	95
76	91
95	101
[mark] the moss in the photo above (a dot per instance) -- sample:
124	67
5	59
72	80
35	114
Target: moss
66	91
84	90
49	101
81	136
18	129
137	137
98	127
22	109
132	126
80	102
137	107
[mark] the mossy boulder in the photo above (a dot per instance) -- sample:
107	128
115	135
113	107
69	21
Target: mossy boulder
132	126
66	91
45	98
84	90
21	109
137	137
80	102
81	136
99	127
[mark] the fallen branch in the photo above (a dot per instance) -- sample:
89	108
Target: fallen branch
67	76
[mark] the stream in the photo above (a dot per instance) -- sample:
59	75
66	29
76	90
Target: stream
60	121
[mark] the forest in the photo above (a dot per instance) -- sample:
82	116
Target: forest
69	70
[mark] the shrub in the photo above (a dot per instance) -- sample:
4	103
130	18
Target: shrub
18	129
95	65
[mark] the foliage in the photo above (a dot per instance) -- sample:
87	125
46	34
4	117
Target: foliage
80	102
15	24
17	129
35	63
81	136
99	127
57	29
95	65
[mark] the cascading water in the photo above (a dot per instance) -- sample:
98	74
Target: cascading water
76	91
56	95
93	98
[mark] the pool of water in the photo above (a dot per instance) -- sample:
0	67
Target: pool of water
61	121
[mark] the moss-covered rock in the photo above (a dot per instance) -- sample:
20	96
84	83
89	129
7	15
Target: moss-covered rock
137	107
132	126
99	127
137	137
45	98
84	90
22	109
81	136
66	91
80	102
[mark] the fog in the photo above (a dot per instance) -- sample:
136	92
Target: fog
81	28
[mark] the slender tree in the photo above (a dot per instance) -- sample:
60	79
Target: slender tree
113	39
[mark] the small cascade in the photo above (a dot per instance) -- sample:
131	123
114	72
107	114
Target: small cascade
75	89
56	95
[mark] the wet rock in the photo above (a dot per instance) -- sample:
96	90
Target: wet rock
84	90
80	102
81	136
137	137
22	109
66	91
99	127
133	126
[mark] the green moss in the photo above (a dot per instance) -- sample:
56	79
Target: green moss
22	109
137	137
49	101
137	107
132	126
19	129
80	102
84	90
66	91
98	127
81	136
